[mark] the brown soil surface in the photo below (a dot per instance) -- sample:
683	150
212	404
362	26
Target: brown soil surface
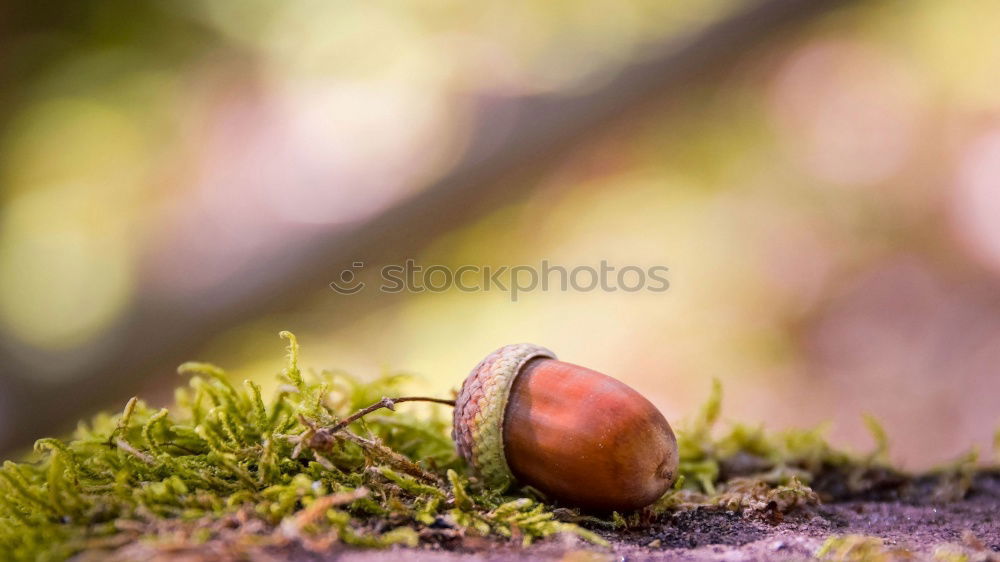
909	516
912	526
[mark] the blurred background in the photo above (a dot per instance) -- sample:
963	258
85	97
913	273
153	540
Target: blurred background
180	180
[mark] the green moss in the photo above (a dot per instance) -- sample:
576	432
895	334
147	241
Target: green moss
795	458
224	465
860	548
224	450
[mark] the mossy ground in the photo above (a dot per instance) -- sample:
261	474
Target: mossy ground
228	472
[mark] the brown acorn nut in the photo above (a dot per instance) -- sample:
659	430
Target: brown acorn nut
580	437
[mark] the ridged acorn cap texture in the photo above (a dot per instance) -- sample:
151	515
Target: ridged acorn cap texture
479	411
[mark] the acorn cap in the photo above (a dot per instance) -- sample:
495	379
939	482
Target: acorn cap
479	411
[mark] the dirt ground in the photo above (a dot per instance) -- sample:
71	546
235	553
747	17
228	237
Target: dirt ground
911	526
892	519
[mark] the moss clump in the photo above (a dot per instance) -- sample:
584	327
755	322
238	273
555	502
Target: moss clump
229	470
860	548
223	451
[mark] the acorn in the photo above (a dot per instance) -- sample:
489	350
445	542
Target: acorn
578	436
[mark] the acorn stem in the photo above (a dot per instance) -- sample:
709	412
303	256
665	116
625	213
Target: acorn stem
389	404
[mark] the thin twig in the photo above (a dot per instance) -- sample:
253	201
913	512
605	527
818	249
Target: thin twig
375	447
387	403
128	448
181	447
293	527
